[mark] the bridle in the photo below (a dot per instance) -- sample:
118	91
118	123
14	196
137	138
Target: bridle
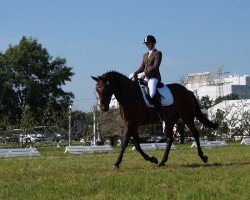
106	87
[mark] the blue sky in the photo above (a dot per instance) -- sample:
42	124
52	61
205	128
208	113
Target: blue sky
96	36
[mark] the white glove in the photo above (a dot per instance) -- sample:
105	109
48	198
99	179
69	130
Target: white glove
141	75
131	75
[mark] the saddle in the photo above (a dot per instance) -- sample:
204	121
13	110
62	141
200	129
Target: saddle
146	89
162	90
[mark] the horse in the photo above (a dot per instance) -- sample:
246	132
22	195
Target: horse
134	112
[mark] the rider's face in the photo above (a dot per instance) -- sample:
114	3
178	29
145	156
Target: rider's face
150	45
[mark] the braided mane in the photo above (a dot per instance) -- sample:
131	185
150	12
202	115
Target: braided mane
114	74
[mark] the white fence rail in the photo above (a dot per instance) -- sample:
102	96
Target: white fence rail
210	144
88	149
154	146
245	141
18	152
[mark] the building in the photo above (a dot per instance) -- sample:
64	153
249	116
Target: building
203	84
113	103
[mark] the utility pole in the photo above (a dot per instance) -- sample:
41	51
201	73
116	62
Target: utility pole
94	125
220	81
219	84
70	107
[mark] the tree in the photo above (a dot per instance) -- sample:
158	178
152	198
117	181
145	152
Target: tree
227	97
8	99
233	119
244	128
182	80
78	119
27	121
88	126
29	76
53	118
205	102
109	123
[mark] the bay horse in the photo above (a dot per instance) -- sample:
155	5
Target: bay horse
135	113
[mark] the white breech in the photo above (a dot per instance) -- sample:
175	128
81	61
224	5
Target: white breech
152	83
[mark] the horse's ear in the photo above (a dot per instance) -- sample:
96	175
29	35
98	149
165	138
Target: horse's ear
95	78
100	78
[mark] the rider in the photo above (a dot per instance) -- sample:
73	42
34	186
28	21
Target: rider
149	70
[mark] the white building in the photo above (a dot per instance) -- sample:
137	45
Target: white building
113	103
202	84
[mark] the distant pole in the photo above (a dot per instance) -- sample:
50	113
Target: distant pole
219	88
70	125
94	125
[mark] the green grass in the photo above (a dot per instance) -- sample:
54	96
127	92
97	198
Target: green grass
56	175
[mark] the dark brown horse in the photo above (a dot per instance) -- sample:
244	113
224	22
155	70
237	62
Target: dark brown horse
135	113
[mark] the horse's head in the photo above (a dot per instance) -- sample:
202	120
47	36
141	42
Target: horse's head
104	92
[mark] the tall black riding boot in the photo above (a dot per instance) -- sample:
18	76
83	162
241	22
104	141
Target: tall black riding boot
156	100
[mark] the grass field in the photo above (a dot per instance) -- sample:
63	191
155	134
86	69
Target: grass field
56	175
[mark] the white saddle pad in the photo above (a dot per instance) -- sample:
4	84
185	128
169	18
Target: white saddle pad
166	99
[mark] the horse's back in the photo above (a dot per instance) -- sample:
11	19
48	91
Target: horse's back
182	96
176	88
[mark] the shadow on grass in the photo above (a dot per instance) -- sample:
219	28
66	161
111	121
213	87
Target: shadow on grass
215	165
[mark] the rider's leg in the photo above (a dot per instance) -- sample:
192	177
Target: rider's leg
152	83
156	100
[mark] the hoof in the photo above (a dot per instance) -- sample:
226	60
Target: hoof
161	165
204	159
116	167
154	160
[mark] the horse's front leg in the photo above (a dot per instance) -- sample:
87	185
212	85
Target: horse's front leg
139	149
123	147
170	140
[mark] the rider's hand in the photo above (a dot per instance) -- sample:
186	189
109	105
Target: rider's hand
141	75
131	75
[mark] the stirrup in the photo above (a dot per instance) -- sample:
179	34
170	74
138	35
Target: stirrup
163	126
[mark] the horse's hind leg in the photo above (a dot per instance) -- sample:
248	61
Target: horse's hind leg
196	136
144	155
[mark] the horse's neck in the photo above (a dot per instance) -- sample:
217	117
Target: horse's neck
123	92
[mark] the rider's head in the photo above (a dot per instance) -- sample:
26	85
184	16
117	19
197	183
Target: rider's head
149	41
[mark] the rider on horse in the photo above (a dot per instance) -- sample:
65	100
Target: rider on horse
149	70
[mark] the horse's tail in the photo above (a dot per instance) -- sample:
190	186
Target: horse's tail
201	117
